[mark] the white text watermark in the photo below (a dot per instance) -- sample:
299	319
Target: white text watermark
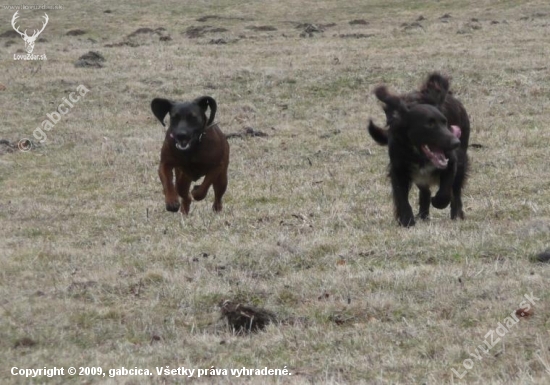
493	336
54	117
24	7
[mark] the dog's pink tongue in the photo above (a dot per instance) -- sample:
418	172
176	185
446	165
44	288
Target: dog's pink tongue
456	131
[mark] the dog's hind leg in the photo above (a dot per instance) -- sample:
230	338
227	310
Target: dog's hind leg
456	204
456	200
424	202
183	183
199	191
220	185
458	184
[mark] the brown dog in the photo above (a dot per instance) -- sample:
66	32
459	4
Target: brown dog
194	147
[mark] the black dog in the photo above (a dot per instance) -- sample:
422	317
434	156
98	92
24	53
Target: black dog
427	138
194	147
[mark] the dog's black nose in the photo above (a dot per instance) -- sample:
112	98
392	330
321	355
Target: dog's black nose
181	137
455	143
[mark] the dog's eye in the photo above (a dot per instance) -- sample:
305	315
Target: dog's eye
431	122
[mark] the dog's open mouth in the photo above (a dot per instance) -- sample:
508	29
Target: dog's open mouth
436	156
181	143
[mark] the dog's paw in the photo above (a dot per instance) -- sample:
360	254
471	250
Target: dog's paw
423	216
440	201
172	206
457	215
407	221
197	193
185	206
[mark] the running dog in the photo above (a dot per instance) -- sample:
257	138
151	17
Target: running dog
427	138
194	147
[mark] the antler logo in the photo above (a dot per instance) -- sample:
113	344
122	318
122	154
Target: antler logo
29	40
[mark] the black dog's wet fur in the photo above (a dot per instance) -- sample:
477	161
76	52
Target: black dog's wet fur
407	117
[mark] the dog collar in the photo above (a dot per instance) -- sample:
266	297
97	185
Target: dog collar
204	131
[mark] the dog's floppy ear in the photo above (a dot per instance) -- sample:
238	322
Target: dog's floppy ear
204	102
379	135
436	88
160	108
392	102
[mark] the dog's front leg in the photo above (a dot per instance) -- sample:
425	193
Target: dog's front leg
443	196
400	190
166	175
424	200
183	182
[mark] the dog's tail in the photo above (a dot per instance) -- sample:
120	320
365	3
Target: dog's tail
379	135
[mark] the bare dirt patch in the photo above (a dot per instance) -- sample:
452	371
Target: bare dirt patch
355	35
247	132
142	36
217	17
244	319
10	33
75	32
261	28
194	32
91	59
7	147
147	31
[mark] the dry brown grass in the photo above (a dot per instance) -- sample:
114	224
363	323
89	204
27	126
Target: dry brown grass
87	279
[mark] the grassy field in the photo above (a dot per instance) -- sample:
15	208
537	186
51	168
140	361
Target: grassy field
95	273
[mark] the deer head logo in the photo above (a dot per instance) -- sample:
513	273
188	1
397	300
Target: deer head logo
29	40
